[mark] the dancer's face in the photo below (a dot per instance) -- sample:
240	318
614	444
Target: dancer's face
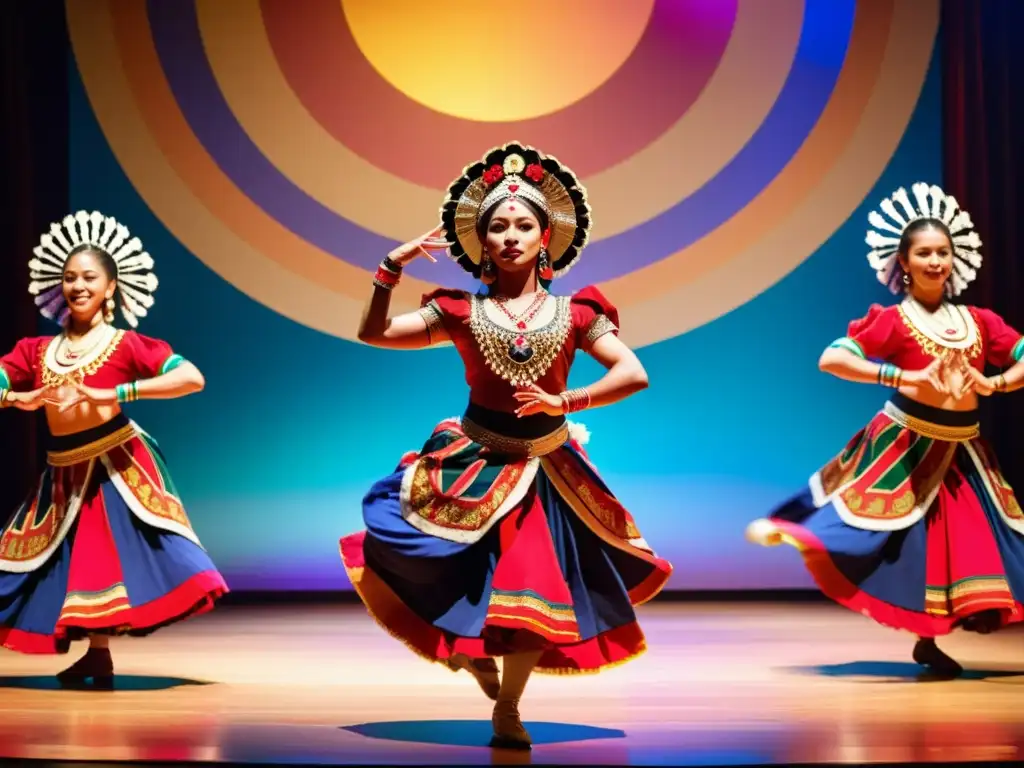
513	238
929	260
87	285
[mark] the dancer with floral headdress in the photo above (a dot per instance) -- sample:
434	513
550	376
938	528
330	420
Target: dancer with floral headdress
101	546
913	524
498	537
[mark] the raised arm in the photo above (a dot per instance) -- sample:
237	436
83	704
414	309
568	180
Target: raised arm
412	330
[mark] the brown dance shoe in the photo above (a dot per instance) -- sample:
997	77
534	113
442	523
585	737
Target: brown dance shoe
484	671
97	664
509	732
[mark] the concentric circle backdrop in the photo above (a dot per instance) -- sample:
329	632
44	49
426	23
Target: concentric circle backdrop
290	145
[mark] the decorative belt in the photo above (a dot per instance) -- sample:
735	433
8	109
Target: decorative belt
67	450
519	446
950	433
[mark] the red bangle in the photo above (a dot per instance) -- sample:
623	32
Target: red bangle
575	400
385	279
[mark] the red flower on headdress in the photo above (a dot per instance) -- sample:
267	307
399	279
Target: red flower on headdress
493	175
534	172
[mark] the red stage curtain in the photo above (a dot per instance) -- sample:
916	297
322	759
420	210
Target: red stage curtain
35	52
983	88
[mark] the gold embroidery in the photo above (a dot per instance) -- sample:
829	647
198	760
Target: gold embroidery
15	541
52	378
931	347
904	504
613	520
853	499
494	341
468	515
26	549
1013	509
160	504
598	327
433	317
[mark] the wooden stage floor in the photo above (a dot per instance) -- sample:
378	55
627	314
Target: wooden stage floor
731	684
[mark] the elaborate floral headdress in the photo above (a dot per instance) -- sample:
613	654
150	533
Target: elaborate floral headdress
932	203
135	279
516	170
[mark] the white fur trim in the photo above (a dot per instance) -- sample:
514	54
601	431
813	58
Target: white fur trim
579	432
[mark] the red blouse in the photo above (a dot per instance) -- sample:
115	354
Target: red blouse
127	357
482	343
891	334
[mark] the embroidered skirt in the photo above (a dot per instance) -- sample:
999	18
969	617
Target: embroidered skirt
101	546
499	536
912	524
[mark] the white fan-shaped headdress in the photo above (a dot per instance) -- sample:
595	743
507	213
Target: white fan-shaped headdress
929	202
136	281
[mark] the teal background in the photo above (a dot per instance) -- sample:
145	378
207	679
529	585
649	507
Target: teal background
274	456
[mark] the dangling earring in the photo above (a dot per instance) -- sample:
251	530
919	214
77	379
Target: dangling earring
906	279
488	271
544	271
108	315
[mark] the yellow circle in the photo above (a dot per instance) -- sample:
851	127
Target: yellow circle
494	61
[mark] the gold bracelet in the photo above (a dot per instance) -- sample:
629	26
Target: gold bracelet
1000	383
4	402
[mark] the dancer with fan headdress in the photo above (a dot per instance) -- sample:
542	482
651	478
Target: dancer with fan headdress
913	524
102	545
498	537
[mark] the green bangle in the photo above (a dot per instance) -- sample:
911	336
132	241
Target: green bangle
127	393
890	375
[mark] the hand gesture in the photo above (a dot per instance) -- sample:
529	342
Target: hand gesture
536	400
976	381
935	377
421	246
78	393
34	400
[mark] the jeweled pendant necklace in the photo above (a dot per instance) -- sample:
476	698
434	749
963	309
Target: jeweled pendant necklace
519	349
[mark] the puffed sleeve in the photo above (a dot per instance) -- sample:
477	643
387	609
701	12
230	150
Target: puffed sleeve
1004	345
872	336
18	367
444	309
151	357
592	316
